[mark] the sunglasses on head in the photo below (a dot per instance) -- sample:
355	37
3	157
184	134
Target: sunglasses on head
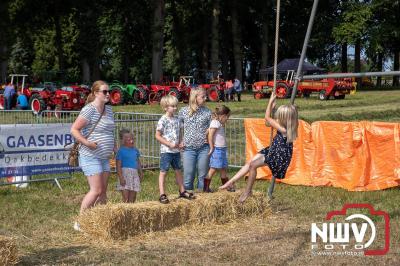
105	92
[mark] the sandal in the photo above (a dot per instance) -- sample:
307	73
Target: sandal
164	199
186	195
231	189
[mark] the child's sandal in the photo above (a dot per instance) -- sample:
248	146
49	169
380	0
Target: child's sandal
164	199
231	189
186	195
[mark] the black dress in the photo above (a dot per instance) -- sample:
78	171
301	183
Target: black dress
278	155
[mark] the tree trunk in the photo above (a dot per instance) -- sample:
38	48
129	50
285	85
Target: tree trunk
58	42
4	62
237	50
357	61
343	59
85	71
215	36
158	40
396	67
205	42
265	38
380	68
96	71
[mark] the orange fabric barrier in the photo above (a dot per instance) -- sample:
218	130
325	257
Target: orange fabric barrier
357	156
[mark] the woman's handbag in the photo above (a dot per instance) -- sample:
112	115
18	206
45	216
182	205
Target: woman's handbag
73	156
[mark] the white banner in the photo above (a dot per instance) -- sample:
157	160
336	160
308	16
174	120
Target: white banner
34	149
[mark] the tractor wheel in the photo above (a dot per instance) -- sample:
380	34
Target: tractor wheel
140	95
340	97
282	90
214	94
323	96
258	95
37	104
116	95
185	97
306	94
2	102
175	92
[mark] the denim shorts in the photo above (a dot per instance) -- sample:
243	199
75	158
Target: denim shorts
219	158
92	166
170	159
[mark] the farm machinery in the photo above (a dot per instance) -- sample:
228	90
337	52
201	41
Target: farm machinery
181	89
215	87
129	93
326	88
46	96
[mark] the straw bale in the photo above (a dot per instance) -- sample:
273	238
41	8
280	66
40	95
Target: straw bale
8	251
120	221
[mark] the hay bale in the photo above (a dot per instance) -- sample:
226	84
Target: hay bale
120	221
8	251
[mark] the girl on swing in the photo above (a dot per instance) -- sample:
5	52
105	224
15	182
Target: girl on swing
277	156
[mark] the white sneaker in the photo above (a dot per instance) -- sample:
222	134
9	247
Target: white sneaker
77	227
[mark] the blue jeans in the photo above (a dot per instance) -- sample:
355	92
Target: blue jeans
193	158
170	159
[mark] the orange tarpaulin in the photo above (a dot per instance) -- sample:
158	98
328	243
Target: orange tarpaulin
357	156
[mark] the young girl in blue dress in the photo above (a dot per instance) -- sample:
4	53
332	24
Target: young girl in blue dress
277	156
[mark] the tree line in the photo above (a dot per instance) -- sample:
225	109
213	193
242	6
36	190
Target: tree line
148	40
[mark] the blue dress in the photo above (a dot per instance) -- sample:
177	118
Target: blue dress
278	155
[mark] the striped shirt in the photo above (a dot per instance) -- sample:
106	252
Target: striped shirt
103	134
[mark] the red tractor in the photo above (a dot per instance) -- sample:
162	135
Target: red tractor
181	89
215	87
326	88
46	96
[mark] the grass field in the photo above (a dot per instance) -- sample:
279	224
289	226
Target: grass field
40	217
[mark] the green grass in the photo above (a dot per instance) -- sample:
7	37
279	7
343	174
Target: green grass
40	217
364	105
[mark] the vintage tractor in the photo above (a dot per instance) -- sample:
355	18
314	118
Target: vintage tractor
326	88
47	97
180	90
130	93
214	85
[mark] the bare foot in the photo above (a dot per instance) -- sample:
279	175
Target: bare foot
225	186
244	196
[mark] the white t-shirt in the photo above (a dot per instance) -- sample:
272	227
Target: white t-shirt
170	130
219	136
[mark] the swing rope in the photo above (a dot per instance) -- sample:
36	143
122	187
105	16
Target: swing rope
299	68
278	11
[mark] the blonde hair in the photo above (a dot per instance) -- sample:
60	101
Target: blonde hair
193	105
168	100
220	110
287	117
95	88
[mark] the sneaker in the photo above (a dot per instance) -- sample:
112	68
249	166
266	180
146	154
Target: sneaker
77	227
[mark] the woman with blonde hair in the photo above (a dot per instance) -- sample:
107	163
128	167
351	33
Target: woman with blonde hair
94	130
196	118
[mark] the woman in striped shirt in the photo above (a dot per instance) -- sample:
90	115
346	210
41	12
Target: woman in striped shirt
96	150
